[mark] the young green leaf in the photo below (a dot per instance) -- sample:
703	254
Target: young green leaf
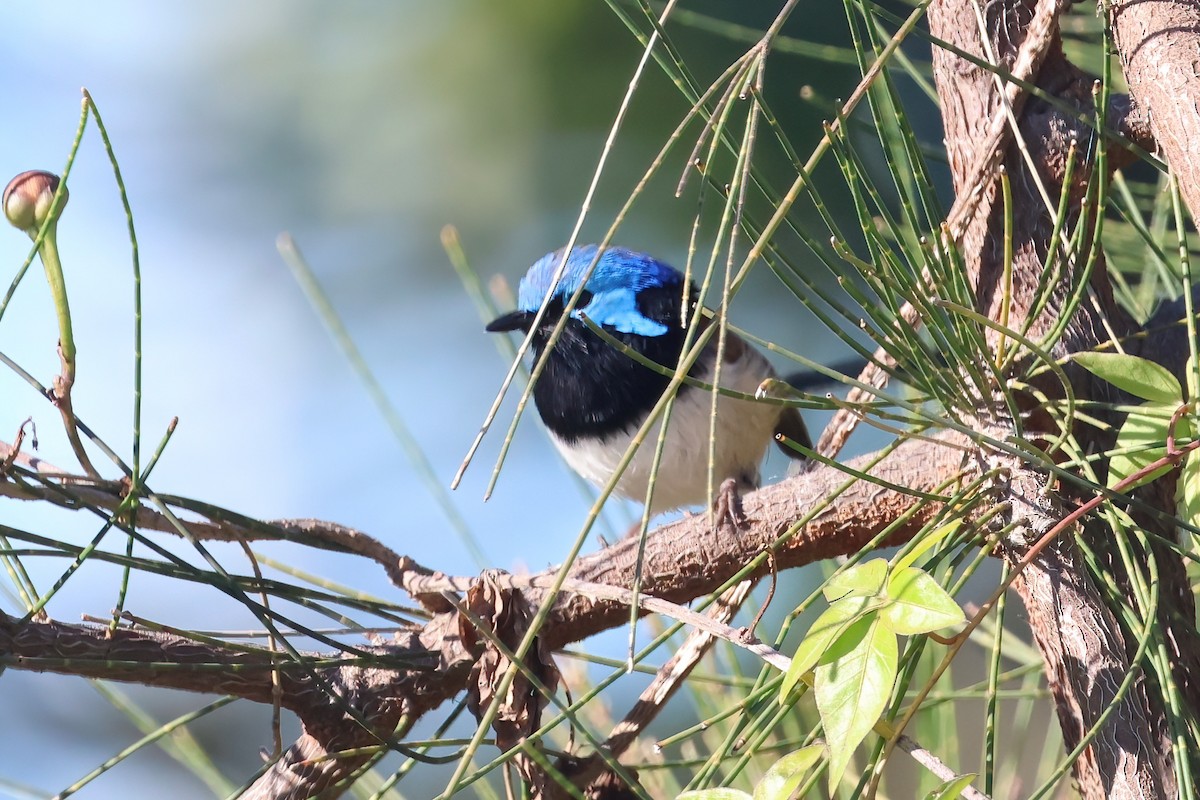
951	788
1139	377
918	604
863	579
924	545
1143	437
853	683
1187	491
785	775
715	794
825	630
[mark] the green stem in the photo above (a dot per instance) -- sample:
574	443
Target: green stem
58	290
48	250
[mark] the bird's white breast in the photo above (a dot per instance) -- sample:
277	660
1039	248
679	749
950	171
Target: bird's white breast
743	431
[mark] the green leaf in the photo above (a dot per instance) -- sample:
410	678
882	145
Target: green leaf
1187	491
924	545
863	579
715	794
1144	436
918	604
785	775
826	630
853	683
951	788
1139	377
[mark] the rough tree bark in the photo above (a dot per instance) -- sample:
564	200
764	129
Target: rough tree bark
420	670
1084	650
1083	646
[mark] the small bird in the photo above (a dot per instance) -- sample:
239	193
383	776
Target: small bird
593	398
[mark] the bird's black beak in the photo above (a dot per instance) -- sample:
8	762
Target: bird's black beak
512	321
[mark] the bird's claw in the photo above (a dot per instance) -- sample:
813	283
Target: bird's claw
728	506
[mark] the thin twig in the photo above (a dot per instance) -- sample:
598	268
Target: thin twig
1039	35
770	592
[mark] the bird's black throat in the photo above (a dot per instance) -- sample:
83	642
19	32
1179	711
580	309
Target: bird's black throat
589	389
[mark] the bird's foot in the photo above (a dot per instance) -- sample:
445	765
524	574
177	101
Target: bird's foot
728	506
635	530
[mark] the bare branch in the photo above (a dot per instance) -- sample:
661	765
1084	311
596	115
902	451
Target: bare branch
683	561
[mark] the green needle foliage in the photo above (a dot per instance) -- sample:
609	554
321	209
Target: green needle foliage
838	207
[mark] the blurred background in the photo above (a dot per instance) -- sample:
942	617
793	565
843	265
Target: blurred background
362	129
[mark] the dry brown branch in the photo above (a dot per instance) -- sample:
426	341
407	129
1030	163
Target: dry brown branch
684	560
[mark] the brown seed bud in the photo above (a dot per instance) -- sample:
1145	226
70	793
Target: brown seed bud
28	197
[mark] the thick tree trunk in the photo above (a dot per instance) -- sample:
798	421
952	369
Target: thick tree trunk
1086	653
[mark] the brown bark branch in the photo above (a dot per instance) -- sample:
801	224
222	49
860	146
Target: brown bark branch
683	561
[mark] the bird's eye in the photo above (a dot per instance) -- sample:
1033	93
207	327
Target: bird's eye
585	297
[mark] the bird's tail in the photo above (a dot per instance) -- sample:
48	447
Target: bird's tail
807	380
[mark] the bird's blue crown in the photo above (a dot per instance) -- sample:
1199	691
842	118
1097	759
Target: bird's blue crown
614	285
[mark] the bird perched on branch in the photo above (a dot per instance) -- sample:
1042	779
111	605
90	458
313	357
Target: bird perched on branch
593	397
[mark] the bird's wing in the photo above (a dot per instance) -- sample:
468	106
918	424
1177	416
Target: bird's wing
790	423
